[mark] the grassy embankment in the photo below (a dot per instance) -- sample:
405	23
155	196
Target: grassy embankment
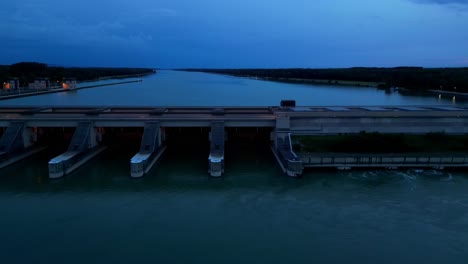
411	78
323	82
382	143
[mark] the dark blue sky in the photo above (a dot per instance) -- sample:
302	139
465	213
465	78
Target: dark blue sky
232	34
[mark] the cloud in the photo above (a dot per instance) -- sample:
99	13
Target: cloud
163	12
61	30
461	6
443	2
125	27
461	2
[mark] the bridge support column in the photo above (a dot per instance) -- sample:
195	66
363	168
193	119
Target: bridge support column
151	149
84	145
216	157
17	143
289	162
99	133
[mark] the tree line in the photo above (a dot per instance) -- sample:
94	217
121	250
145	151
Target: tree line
413	78
26	72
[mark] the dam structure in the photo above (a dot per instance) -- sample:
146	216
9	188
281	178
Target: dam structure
23	127
216	157
150	150
83	146
16	143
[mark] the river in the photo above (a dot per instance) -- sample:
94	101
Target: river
172	88
253	214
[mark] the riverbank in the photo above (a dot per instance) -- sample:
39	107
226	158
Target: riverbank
318	81
457	94
60	90
412	78
137	75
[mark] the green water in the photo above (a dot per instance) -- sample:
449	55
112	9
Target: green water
254	214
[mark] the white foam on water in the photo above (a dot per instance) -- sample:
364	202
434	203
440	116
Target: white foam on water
407	175
443	175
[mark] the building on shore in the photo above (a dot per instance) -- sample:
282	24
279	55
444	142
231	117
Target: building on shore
39	83
11	84
69	83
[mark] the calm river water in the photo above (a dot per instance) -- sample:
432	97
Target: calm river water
253	214
171	88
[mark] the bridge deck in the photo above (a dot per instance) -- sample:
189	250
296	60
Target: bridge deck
202	116
98	110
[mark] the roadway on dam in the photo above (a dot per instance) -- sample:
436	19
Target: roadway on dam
202	116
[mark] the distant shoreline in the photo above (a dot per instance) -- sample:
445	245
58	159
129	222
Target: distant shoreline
317	81
302	81
409	78
464	95
354	84
339	83
121	76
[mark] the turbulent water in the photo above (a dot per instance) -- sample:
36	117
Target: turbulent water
253	214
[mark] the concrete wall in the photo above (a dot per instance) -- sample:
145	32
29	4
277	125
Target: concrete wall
371	160
407	125
305	123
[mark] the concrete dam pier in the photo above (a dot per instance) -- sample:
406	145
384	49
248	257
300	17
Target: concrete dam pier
84	145
150	150
22	129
